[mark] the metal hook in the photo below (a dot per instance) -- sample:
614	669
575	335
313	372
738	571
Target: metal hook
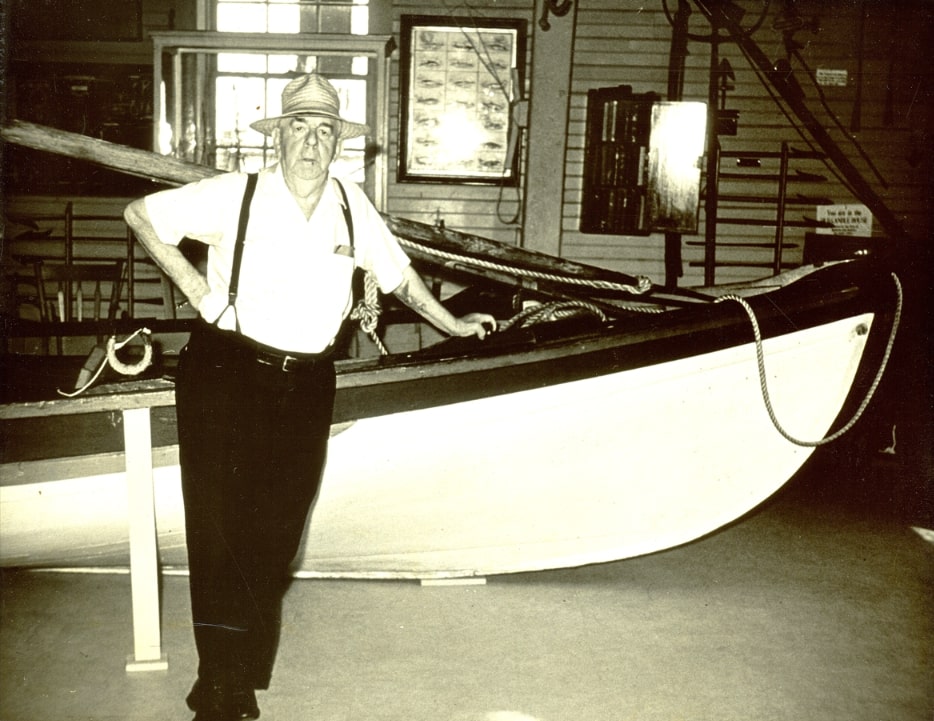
560	9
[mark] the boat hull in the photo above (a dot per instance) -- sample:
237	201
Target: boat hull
551	474
539	448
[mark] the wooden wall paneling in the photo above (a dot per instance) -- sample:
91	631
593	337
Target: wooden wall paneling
616	43
612	52
627	41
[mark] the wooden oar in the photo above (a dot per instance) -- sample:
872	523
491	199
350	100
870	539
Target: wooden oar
132	161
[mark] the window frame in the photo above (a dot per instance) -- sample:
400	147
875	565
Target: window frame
170	48
318	5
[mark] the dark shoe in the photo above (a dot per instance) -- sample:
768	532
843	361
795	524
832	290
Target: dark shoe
216	703
244	704
214	714
214	707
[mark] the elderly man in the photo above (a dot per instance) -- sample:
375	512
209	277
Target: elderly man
255	383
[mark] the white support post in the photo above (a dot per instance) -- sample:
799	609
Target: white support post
144	554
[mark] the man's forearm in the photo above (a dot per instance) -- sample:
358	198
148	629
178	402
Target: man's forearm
415	294
168	257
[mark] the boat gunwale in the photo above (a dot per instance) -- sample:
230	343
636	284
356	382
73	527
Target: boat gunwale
779	310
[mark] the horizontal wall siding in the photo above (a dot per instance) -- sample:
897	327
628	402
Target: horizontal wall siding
626	42
616	43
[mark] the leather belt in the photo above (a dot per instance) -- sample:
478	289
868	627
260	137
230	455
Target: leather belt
288	363
247	349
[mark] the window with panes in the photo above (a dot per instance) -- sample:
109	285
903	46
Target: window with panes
248	86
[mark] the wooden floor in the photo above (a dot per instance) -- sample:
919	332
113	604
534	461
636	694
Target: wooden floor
817	607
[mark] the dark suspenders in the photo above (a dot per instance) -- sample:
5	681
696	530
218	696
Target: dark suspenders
241	238
348	218
238	252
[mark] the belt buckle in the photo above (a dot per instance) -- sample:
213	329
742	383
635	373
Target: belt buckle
286	361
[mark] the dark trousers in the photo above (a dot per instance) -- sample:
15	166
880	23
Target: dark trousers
252	444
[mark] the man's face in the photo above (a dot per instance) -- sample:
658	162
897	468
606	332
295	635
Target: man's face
306	146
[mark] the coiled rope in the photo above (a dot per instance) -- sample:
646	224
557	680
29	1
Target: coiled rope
763	380
130	369
551	311
113	346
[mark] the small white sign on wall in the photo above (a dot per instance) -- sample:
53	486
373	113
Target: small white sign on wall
831	76
850	219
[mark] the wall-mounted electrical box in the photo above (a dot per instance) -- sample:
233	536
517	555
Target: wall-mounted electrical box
642	161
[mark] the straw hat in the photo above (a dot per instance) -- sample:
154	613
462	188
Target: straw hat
312	95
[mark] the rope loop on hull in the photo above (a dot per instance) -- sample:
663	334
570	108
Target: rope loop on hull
763	379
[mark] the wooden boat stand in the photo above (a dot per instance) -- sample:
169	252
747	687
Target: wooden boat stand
144	559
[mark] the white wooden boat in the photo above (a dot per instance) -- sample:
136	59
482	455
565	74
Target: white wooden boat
590	441
634	426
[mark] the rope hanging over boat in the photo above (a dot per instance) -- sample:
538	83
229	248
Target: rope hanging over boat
366	311
763	380
644	284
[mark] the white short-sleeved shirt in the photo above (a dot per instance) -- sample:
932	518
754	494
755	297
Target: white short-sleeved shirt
295	276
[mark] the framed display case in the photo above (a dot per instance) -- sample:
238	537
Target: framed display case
615	155
459	78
